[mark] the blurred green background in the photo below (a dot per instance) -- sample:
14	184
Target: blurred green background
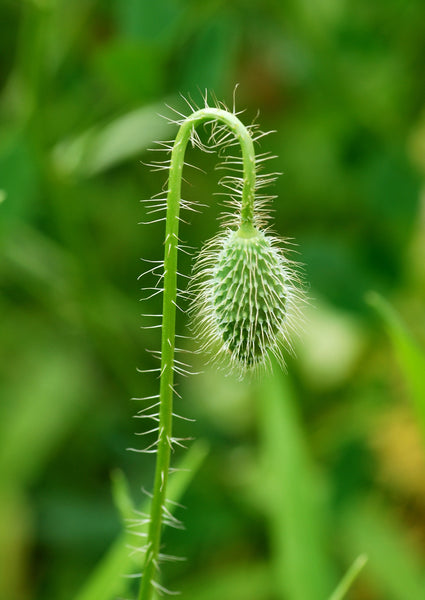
305	471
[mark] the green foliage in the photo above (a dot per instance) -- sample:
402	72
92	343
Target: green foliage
392	566
101	148
410	356
107	581
346	582
293	497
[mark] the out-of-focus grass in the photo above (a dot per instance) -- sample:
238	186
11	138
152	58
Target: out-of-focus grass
294	498
410	356
350	576
101	148
393	567
111	576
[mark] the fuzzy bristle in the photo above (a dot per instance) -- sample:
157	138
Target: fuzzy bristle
248	295
244	299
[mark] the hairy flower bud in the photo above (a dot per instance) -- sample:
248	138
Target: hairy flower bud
244	297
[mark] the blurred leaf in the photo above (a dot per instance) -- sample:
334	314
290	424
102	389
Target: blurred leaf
349	577
121	494
18	176
107	580
246	582
417	143
330	347
130	70
410	356
49	398
101	148
153	22
40	264
294	498
212	55
66	25
16	526
393	566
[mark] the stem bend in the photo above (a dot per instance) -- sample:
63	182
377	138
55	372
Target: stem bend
242	134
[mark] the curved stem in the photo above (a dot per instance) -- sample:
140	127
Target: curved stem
169	311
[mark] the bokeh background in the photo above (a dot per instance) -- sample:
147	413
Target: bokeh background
303	472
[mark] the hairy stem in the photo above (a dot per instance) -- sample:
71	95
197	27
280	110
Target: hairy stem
169	312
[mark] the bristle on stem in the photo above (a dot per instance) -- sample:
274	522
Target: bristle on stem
243	293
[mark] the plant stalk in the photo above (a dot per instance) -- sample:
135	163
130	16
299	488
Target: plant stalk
169	313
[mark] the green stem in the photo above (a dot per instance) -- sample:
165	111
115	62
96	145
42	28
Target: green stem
346	582
169	311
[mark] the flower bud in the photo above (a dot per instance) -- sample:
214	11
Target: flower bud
244	295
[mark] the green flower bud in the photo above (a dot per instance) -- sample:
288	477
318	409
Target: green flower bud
244	298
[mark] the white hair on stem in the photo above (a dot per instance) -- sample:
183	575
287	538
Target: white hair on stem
244	292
